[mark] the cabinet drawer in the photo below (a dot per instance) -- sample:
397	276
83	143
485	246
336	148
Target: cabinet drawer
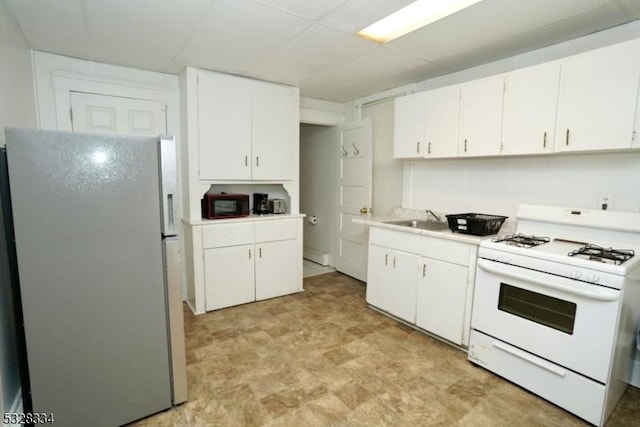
218	236
445	250
270	231
406	242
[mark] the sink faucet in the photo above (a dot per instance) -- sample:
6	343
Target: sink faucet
429	211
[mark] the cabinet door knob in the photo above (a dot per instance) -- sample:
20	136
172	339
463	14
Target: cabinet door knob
363	211
246	160
544	140
260	252
249	253
257	160
417	148
345	153
567	138
465	145
424	269
386	259
394	262
355	150
429	148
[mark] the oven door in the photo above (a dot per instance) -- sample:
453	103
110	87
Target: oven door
566	321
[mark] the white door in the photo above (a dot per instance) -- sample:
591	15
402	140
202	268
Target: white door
354	196
92	112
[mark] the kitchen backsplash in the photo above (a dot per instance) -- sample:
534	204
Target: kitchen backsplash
499	185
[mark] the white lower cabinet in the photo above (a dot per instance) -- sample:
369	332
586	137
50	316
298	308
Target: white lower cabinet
441	299
276	272
426	281
250	261
393	281
227	286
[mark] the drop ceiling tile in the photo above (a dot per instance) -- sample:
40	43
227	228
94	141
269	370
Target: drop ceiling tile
60	19
237	33
382	67
308	9
354	15
631	8
143	24
488	22
537	38
315	50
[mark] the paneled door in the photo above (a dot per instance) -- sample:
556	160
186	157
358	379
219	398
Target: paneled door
92	112
354	196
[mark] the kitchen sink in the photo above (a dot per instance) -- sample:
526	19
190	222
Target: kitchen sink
419	223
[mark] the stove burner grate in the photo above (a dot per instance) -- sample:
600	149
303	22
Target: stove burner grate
521	240
606	255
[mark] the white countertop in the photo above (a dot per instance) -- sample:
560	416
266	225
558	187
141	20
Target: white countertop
252	218
443	234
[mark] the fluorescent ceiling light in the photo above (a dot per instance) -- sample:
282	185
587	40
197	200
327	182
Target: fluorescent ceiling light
411	17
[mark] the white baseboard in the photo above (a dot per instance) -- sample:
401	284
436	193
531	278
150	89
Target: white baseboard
315	256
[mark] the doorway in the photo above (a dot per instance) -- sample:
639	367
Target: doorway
317	197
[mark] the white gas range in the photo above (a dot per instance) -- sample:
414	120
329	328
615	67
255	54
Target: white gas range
556	306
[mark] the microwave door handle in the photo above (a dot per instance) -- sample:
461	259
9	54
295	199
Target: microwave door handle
599	296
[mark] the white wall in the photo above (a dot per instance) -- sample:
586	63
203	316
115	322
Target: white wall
17	108
318	160
497	186
17	100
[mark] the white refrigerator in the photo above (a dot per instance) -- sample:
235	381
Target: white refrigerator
103	332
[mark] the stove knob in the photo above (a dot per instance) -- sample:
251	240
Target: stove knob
504	259
594	278
576	275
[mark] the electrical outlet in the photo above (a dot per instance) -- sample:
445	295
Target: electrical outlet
605	201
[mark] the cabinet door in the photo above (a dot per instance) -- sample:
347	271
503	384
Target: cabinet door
378	260
402	282
277	266
228	276
224	126
481	117
409	126
530	107
441	300
273	131
598	93
443	121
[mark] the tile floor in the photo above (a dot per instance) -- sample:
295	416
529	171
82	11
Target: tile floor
310	268
322	358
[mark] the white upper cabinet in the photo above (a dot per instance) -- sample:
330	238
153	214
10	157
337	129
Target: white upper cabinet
224	126
481	117
598	99
530	107
409	126
443	121
246	128
273	131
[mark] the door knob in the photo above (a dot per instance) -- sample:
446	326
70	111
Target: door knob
363	211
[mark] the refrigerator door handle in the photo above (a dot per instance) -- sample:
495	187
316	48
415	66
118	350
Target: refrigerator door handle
171	218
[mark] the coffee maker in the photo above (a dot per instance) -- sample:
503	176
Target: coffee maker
260	203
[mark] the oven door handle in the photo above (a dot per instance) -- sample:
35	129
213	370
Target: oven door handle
530	359
600	296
